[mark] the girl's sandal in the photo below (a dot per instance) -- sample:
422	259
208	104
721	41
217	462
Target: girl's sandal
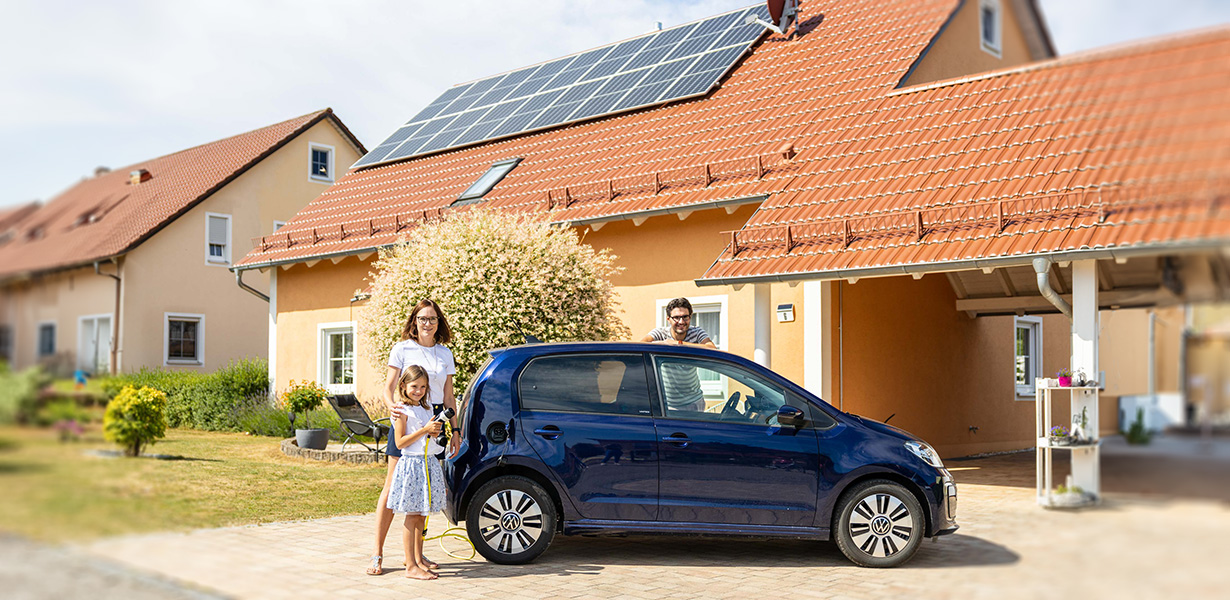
377	566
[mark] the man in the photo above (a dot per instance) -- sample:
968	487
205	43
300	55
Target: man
680	382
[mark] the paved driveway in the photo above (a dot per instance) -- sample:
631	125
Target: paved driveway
1133	546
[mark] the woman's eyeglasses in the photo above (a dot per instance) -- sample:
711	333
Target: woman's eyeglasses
427	320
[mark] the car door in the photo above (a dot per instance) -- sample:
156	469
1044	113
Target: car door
589	418
729	461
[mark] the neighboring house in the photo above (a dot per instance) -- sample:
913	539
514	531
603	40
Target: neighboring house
129	268
889	170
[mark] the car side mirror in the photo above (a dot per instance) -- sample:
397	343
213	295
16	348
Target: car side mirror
789	416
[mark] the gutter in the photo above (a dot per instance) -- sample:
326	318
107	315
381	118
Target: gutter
1042	268
115	322
670	210
1024	260
247	288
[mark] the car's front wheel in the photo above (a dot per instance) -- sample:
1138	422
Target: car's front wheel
511	520
879	524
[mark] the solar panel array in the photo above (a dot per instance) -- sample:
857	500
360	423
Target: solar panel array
666	65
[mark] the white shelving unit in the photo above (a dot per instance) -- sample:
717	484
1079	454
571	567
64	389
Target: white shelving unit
1085	456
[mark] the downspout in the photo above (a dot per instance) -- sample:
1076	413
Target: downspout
115	322
247	288
1042	266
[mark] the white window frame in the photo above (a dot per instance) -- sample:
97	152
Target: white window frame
38	339
167	361
7	351
93	319
323	330
1027	391
706	304
332	158
225	261
993	46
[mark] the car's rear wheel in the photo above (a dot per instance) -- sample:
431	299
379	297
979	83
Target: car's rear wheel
511	520
879	524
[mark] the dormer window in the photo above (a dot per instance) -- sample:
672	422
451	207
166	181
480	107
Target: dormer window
320	159
990	26
485	183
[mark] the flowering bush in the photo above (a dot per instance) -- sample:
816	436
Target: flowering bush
492	272
302	398
135	418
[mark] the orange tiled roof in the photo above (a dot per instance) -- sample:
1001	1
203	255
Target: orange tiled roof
104	216
10	217
700	151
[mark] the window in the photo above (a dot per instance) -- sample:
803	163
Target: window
46	339
183	336
337	357
217	239
484	184
751	399
321	159
1028	354
278	225
6	343
989	25
590	383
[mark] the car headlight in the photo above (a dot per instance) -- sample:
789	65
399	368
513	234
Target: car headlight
926	453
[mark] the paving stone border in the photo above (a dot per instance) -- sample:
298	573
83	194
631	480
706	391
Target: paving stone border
290	447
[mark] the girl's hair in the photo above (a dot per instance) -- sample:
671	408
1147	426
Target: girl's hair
410	331
409	374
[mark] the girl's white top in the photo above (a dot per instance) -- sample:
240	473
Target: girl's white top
416	418
436	360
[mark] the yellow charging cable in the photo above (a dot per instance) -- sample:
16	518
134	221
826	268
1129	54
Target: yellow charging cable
451	532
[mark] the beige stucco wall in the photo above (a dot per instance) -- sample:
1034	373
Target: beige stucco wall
168	272
61	298
958	50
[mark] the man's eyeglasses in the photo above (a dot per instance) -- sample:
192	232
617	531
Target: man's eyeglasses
681	318
427	320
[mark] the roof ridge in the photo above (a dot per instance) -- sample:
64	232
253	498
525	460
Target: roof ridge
1188	38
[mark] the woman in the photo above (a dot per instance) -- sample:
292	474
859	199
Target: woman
422	343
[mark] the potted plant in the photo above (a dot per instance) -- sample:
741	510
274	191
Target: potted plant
1060	436
1065	377
303	397
1080	427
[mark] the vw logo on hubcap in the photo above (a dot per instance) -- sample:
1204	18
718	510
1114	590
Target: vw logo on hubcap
880	525
511	521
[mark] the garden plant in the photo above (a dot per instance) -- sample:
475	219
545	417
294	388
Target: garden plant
136	418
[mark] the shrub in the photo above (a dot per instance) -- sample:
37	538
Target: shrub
201	401
1136	433
259	416
19	393
492	272
135	418
303	397
63	409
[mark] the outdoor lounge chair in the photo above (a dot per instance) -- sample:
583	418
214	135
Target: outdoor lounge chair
357	422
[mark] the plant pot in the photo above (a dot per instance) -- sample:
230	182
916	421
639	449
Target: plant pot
1065	382
314	439
1061	441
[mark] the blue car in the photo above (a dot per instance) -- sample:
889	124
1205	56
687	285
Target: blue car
629	438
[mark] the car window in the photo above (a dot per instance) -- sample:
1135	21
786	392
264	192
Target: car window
815	415
591	383
742	397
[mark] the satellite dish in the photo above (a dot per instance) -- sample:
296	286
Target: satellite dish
783	14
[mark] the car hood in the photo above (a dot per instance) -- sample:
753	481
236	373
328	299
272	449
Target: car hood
885	429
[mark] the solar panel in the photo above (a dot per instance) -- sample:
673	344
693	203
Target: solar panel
655	68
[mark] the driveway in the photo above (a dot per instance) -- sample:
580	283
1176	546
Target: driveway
1132	546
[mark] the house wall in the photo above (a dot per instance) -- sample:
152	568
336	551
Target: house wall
60	298
958	52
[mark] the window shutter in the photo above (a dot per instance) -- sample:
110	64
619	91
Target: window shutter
217	230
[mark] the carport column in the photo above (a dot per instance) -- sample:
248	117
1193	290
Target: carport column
818	338
1085	467
763	321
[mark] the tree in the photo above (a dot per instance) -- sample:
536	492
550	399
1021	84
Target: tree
492	272
134	418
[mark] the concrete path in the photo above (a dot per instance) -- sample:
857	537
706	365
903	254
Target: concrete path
1130	547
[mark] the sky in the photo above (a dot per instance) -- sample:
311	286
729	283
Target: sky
87	84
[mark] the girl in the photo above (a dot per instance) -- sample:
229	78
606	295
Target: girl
417	488
423	340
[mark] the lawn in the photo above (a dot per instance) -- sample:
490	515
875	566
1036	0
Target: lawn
58	492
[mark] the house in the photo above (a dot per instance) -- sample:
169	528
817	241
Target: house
129	268
858	203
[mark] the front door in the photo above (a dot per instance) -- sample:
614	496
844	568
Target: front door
730	462
94	344
588	417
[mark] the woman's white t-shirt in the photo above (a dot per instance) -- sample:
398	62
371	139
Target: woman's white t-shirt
416	418
436	360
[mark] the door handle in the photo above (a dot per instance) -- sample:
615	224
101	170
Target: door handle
678	439
549	432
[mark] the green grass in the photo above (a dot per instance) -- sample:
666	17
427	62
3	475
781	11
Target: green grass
57	492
